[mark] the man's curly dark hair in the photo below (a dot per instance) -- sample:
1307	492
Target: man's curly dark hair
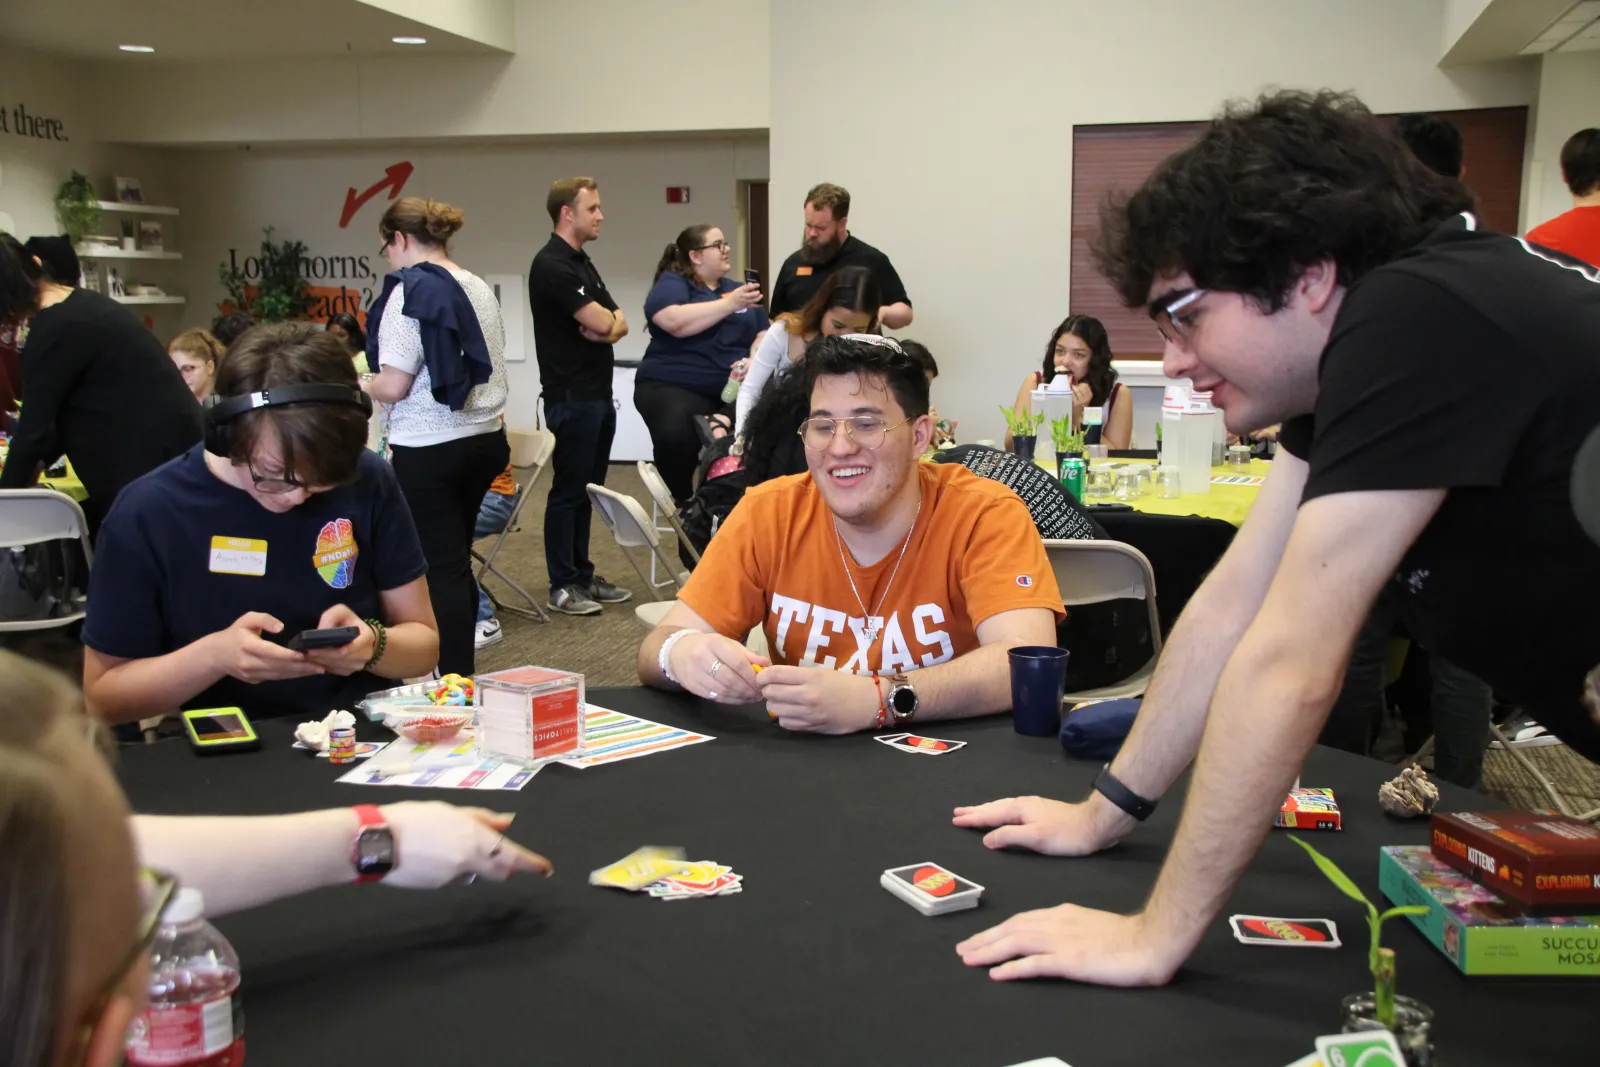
1271	187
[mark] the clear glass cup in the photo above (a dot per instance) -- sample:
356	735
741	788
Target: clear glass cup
1168	485
1095	452
1146	483
1238	456
1098	481
1127	488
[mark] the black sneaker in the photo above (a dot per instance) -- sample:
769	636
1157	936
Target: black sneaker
603	591
572	600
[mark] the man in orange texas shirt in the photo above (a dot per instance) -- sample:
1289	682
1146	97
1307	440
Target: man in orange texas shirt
906	582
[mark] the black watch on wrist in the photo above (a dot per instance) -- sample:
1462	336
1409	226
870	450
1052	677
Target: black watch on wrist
902	699
1107	785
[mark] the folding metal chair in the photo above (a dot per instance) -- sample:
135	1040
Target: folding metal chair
530	454
662	504
632	528
34	516
1091	572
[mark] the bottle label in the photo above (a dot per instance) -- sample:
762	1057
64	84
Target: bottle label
181	1034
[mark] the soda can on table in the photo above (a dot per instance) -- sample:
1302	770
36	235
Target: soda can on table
1073	475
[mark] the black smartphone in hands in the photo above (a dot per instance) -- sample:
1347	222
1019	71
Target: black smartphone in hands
752	277
333	637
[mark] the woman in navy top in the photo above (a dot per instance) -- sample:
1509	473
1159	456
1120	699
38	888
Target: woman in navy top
701	325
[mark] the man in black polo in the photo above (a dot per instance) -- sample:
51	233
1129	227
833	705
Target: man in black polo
826	247
575	323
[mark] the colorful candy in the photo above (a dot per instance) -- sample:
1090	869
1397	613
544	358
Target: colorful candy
453	690
342	744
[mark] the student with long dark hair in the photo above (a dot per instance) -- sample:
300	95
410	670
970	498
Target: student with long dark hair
702	325
848	302
347	328
96	385
1080	349
436	336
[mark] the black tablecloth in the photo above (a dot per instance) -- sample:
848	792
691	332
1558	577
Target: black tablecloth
813	963
1181	549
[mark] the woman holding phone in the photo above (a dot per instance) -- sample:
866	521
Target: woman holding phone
702	326
1080	349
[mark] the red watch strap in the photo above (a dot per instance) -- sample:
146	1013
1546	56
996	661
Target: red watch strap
883	705
366	815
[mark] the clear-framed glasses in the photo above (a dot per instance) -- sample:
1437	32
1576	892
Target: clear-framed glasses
728	245
1175	323
159	888
867	431
273	486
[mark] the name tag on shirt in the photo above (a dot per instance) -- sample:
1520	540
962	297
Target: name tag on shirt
802	271
238	555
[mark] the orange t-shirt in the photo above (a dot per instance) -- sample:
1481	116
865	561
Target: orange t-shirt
1577	233
974	553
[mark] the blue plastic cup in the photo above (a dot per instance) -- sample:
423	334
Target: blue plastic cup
1038	682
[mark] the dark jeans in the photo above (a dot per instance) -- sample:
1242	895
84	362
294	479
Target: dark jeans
583	429
669	412
1461	704
444	486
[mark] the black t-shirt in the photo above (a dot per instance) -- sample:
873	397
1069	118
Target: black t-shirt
99	387
561	280
184	554
1472	363
798	281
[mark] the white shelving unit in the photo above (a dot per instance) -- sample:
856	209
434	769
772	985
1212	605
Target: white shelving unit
151	299
136	209
124	253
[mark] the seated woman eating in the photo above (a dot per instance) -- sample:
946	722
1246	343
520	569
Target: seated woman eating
281	521
848	302
1080	349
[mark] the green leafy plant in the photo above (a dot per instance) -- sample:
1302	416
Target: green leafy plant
282	293
1379	959
1067	442
1020	423
77	207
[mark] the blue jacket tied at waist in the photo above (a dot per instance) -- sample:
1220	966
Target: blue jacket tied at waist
453	348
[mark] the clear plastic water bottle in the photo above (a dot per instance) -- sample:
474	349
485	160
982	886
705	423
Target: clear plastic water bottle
194	1017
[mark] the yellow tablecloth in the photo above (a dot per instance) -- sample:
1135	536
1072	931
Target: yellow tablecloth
1230	503
69	484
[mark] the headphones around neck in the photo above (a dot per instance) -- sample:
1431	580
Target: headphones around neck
220	410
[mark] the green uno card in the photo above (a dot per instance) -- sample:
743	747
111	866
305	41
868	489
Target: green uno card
1370	1048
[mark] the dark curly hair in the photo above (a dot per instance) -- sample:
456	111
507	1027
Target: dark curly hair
1100	375
882	358
1270	188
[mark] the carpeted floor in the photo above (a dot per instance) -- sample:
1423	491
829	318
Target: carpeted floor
604	648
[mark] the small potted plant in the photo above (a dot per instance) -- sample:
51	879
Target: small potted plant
1069	445
1024	431
77	207
1409	1020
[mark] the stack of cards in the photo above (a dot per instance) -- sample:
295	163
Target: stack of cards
640	868
930	888
706	878
1294	933
927	746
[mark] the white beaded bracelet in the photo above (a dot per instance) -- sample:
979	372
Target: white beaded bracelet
663	659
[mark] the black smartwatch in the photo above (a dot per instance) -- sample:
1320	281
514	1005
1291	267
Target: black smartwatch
902	699
374	852
1107	785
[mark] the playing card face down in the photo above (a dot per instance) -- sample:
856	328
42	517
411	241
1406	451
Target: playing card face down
1290	933
931	882
926	746
1370	1048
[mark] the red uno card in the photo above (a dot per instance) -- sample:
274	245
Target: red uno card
927	746
1293	933
931	882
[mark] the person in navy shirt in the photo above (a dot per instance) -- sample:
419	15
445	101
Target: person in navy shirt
702	327
281	521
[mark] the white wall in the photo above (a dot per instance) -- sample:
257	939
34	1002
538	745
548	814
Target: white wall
228	196
964	178
607	66
1569	101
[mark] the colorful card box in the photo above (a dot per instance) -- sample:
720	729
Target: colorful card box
527	715
1539	859
1309	809
1480	932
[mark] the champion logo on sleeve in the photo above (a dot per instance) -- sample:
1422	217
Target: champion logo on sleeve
1025	580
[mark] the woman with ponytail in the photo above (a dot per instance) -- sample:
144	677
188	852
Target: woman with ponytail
702	326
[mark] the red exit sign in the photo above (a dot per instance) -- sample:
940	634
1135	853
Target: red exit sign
677	194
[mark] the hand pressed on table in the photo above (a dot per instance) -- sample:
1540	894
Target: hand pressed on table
1049	826
1077	943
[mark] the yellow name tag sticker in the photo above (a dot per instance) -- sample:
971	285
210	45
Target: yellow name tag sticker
238	555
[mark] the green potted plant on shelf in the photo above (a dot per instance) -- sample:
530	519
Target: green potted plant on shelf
77	207
1409	1020
281	293
1024	431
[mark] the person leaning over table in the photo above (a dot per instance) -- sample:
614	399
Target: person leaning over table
702	325
282	521
77	913
1377	327
1080	349
96	385
889	589
828	246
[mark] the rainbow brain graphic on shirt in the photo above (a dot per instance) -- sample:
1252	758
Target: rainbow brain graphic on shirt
335	558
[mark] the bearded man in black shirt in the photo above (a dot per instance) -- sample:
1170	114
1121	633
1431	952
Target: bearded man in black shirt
1435	382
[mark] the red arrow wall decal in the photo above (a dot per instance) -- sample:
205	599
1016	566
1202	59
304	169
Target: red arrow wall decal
394	179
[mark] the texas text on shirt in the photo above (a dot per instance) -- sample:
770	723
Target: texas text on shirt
1468	364
183	555
776	562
